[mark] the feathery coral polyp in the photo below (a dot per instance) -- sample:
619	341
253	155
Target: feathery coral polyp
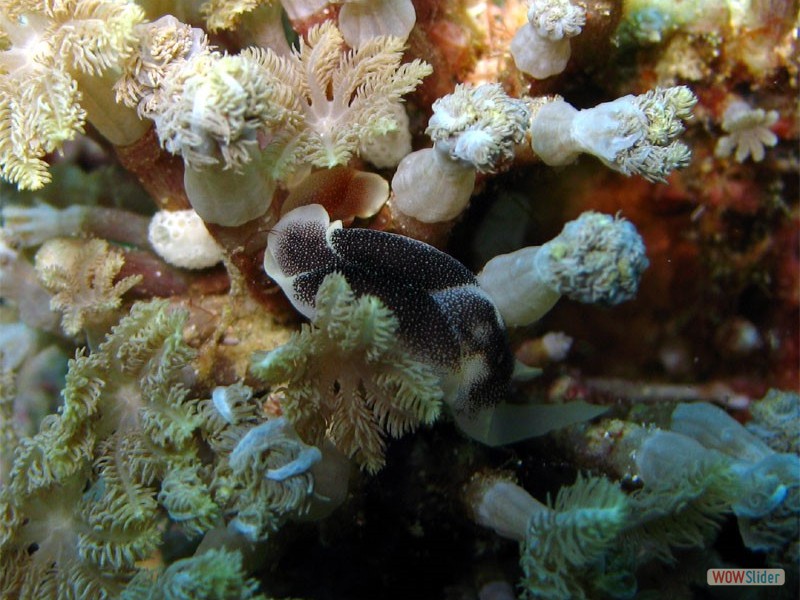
53	50
339	98
346	376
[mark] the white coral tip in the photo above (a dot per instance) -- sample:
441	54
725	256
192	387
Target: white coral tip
748	131
556	19
181	238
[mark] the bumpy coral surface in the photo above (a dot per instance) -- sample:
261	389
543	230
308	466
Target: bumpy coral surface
305	258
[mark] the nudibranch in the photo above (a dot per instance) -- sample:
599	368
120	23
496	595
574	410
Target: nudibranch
445	319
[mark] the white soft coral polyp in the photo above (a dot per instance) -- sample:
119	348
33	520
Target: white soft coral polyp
594	131
180	237
362	20
635	135
431	187
541	47
748	132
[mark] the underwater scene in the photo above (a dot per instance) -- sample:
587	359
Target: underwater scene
391	299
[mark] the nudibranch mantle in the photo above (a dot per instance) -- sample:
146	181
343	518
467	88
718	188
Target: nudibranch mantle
445	318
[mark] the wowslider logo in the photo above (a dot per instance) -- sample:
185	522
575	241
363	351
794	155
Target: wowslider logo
746	577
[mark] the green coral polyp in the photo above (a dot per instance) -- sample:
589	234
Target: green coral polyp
128	435
346	376
572	536
56	54
117	454
214	575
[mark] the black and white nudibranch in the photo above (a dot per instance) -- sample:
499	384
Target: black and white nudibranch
444	318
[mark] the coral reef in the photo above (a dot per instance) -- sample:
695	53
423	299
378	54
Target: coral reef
324	298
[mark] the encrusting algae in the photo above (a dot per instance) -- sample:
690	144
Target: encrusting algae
285	310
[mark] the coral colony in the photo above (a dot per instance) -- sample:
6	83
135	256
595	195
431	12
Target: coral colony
344	299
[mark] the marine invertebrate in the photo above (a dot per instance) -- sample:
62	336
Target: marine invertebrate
346	193
541	47
80	276
595	259
269	467
230	15
387	150
748	132
83	489
335	99
180	237
474	129
595	538
19	341
217	574
444	318
732	470
27	226
560	541
21	286
553	346
360	21
687	491
52	63
9	433
776	419
262	476
313	107
347	378
445	192
32	225
445	321
161	45
648	21
715	429
478	125
227	15
632	134
223	104
209	108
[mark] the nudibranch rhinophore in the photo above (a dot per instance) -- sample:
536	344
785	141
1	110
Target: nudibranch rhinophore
444	318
